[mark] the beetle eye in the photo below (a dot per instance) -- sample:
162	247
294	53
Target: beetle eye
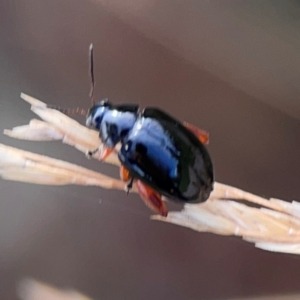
97	120
141	149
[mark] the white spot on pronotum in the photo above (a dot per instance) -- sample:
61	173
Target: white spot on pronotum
291	230
115	113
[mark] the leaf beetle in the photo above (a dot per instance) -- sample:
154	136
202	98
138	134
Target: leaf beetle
163	156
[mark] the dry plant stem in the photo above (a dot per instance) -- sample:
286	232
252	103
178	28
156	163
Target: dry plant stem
274	227
20	165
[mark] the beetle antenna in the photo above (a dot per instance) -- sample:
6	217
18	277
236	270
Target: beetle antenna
91	54
78	110
69	111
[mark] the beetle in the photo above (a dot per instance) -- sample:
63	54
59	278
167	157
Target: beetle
163	156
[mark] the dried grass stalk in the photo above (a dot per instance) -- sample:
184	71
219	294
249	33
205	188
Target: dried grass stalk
273	227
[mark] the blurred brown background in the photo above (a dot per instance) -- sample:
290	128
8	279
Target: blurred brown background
230	67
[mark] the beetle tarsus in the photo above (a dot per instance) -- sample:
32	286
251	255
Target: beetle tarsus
105	152
129	186
91	153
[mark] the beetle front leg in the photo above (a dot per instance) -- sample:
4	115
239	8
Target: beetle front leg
202	135
152	199
105	152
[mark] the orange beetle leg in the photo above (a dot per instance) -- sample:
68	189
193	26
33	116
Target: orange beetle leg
152	199
202	135
105	153
124	174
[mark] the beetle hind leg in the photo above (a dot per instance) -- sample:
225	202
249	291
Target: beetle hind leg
152	199
202	135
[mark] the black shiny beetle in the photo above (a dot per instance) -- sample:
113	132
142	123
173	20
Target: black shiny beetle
159	153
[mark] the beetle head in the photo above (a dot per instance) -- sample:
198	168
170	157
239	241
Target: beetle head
96	113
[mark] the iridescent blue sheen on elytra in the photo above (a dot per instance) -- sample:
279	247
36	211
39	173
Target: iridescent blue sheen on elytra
156	149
